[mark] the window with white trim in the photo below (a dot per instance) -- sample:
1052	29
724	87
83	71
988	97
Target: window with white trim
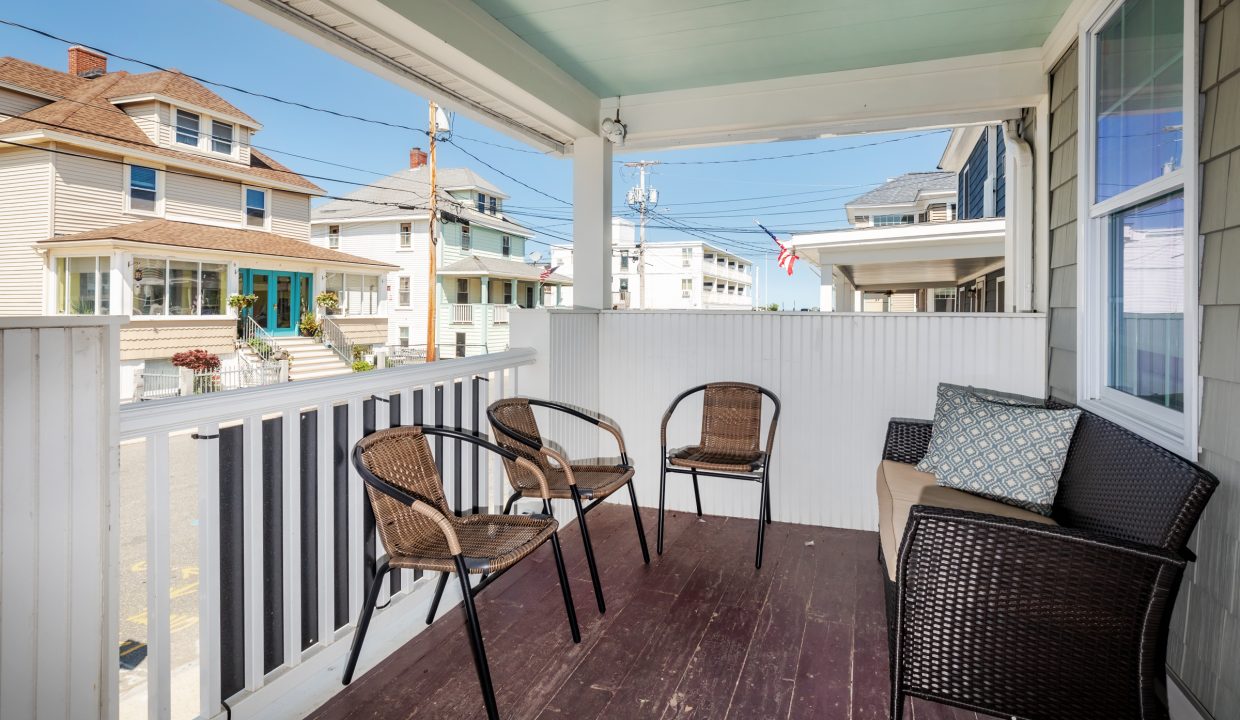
406	235
506	246
403	335
187	128
467	240
686	257
83	285
404	292
686	287
165	286
1138	260
359	294
222	137
143	194
333	236
256	214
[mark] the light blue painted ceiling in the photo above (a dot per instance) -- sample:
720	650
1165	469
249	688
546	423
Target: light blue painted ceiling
624	47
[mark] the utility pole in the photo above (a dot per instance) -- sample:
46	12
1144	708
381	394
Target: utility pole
431	284
643	200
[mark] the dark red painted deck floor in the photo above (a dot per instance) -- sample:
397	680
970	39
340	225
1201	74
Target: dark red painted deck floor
697	633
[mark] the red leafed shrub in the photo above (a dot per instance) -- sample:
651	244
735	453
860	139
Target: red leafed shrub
197	360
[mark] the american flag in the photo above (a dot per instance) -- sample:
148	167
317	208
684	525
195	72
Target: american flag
546	273
787	257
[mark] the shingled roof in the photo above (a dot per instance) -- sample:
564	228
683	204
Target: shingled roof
212	237
84	109
907	188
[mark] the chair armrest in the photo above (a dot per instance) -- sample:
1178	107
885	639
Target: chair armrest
591	418
415	502
667	415
907	440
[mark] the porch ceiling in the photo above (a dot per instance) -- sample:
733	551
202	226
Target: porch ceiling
913	275
627	47
695	72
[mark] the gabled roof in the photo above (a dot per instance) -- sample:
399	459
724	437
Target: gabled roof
212	237
906	188
411	188
178	87
477	265
84	109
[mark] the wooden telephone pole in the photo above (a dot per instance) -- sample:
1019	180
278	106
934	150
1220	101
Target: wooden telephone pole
432	286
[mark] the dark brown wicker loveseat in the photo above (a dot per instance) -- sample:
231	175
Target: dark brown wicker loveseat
1066	620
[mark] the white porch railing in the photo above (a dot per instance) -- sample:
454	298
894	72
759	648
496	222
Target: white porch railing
499	314
283	542
462	314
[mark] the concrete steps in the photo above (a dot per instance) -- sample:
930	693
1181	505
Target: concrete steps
310	359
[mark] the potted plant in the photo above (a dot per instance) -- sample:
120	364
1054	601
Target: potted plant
241	302
309	326
329	300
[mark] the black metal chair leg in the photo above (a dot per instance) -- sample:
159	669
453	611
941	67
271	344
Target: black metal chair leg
697	497
568	593
363	621
585	538
762	511
662	492
767	485
475	641
439	586
637	519
511	499
897	704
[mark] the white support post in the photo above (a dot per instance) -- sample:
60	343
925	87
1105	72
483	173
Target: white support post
252	558
826	293
592	223
290	426
1019	253
158	578
209	681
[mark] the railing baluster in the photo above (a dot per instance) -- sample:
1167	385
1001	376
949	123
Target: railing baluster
209	684
326	535
158	578
406	418
290	425
252	540
382	422
356	538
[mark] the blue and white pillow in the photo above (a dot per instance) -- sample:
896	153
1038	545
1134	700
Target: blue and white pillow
950	404
1009	453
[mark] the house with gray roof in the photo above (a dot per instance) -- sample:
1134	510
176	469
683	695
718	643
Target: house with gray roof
928	241
481	270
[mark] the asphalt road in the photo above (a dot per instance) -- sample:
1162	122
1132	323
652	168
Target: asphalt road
183	528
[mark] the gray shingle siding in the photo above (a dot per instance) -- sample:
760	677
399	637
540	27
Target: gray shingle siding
972	188
1062	362
1205	635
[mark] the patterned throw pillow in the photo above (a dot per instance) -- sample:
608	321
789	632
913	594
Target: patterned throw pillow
1012	454
950	404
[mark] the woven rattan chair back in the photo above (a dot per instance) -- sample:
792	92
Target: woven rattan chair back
402	457
731	418
1122	485
517	415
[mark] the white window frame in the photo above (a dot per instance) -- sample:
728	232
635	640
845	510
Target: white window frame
402	336
176	128
245	208
467	238
405	233
404	291
159	192
506	246
686	287
1176	431
232	137
168	260
686	257
60	283
333	237
345	310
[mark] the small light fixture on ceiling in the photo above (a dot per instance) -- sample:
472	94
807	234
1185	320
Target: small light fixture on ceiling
614	130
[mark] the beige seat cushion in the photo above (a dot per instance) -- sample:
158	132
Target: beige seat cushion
901	486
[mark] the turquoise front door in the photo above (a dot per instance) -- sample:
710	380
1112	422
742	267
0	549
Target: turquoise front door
282	297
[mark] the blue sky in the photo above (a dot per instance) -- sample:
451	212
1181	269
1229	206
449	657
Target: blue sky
216	42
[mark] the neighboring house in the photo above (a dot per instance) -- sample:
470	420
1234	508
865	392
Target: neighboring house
480	256
924	241
140	195
679	275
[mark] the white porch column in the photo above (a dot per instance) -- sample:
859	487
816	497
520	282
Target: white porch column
826	293
1018	259
592	223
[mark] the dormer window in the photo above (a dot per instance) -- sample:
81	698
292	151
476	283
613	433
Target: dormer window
491	205
256	207
187	128
482	202
333	236
222	137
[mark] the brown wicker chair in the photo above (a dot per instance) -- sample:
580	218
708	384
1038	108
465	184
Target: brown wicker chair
729	447
1069	622
419	531
517	430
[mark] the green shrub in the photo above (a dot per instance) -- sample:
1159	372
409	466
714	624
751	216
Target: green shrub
362	366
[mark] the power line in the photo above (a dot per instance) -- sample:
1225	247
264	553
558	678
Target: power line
501	172
807	153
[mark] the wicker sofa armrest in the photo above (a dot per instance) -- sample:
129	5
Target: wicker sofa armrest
907	440
1058	617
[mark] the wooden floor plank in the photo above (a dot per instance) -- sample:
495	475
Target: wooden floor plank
698	633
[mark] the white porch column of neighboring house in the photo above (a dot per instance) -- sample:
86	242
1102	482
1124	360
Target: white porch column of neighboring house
592	223
826	291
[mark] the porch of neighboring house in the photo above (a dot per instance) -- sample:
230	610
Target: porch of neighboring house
480	294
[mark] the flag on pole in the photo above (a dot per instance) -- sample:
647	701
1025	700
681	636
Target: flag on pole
546	273
787	257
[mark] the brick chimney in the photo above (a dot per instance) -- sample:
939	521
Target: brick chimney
86	63
417	158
